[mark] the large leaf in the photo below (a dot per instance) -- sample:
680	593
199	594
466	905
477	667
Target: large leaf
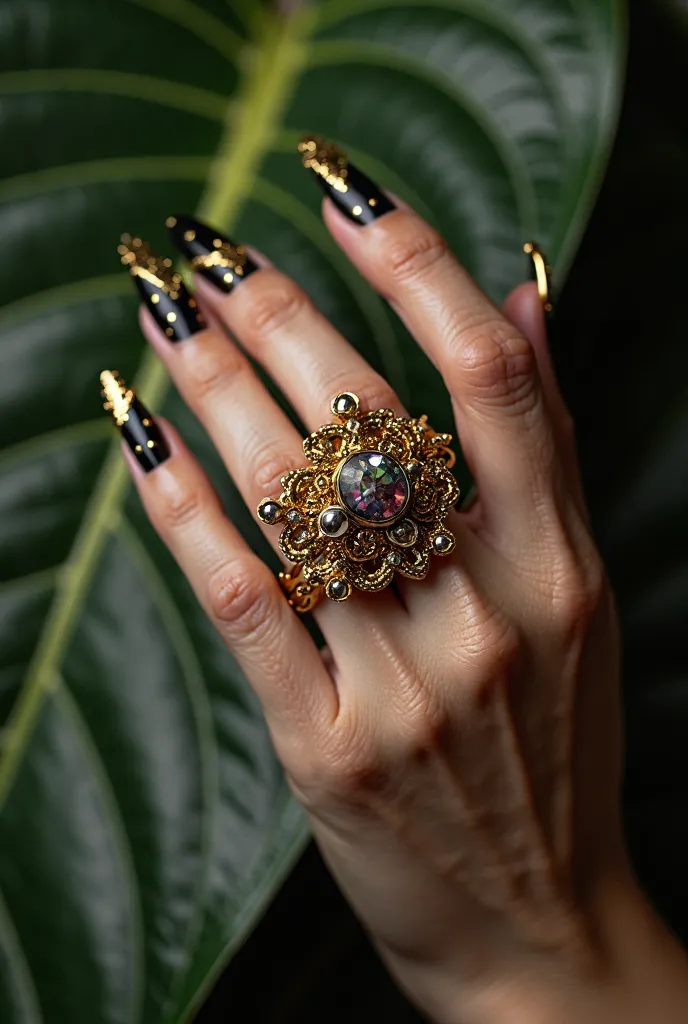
144	822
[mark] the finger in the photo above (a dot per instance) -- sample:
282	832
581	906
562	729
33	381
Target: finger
236	589
253	436
488	365
280	327
524	308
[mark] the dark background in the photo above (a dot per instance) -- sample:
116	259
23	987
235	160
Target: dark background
620	343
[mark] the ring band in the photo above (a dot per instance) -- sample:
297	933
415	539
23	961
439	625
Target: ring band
371	503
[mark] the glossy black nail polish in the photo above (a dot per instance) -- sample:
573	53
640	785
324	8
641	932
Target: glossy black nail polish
350	190
136	424
174	309
222	262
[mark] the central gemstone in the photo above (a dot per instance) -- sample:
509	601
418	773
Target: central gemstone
373	487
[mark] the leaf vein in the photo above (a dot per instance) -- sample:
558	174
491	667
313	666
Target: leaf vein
72	712
32	1001
178	95
194	681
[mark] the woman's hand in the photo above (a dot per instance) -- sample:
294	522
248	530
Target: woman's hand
457	745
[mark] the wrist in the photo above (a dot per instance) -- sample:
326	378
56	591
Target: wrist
633	970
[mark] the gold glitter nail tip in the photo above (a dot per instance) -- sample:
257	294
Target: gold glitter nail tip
325	159
138	427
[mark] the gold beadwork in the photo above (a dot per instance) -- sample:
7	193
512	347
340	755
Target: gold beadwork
333	559
118	396
543	274
143	262
326	159
301	596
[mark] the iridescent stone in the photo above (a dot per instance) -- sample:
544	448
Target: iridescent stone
394	558
373	487
294	516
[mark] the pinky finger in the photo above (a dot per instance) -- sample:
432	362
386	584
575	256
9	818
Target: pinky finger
524	309
241	596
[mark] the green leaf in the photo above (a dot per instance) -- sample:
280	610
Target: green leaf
144	820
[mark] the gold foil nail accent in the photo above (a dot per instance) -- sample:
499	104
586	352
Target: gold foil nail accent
225	255
118	396
326	159
143	262
543	274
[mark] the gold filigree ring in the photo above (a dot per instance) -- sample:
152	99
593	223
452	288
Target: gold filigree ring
372	502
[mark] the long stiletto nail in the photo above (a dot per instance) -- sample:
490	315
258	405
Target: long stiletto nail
222	262
138	427
162	289
542	273
350	190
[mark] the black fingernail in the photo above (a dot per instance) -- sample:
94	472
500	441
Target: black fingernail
541	272
350	190
138	427
174	309
222	262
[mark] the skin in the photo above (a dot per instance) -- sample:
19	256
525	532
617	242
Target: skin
461	766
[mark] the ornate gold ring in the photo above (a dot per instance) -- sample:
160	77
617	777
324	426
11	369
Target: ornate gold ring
372	502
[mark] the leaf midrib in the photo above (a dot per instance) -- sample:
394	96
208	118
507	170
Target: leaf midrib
277	59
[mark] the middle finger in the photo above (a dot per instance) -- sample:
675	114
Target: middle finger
278	324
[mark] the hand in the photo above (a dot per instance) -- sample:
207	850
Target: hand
457	745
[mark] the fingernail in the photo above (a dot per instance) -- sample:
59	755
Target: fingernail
541	272
136	424
222	262
350	190
174	309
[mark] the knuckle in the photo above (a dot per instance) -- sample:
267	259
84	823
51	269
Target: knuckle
373	393
495	365
269	466
578	594
350	765
239	599
415	253
355	779
490	656
431	734
279	302
182	508
209	371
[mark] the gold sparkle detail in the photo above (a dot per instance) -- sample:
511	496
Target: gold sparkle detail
142	262
326	159
190	235
171	222
233	257
118	397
